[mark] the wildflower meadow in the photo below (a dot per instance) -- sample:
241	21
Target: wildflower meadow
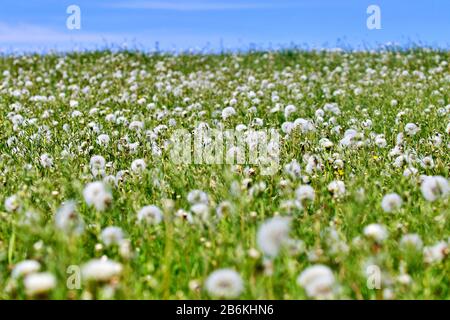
277	174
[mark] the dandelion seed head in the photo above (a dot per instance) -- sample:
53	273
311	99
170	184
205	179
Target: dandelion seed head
391	202
272	234
376	232
112	235
150	214
318	281
224	283
24	268
100	270
95	194
39	283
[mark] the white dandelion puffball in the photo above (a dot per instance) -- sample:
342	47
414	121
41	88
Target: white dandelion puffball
228	112
110	117
376	232
39	283
380	142
76	114
325	143
224	283
272	234
293	169
197	196
12	204
109	180
434	187
305	192
411	129
136	125
97	162
436	253
100	270
337	188
46	161
411	240
200	209
304	125
289	110
427	163
97	165
25	267
138	166
112	236
224	209
411	171
95	194
73	103
287	127
103	140
318	281
68	220
391	202
184	216
150	214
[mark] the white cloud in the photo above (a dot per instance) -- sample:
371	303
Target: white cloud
32	37
31	33
193	6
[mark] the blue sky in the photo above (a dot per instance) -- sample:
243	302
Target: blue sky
177	24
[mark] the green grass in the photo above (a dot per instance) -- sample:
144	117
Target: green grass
167	257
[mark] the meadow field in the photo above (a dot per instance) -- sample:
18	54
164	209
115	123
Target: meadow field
93	205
